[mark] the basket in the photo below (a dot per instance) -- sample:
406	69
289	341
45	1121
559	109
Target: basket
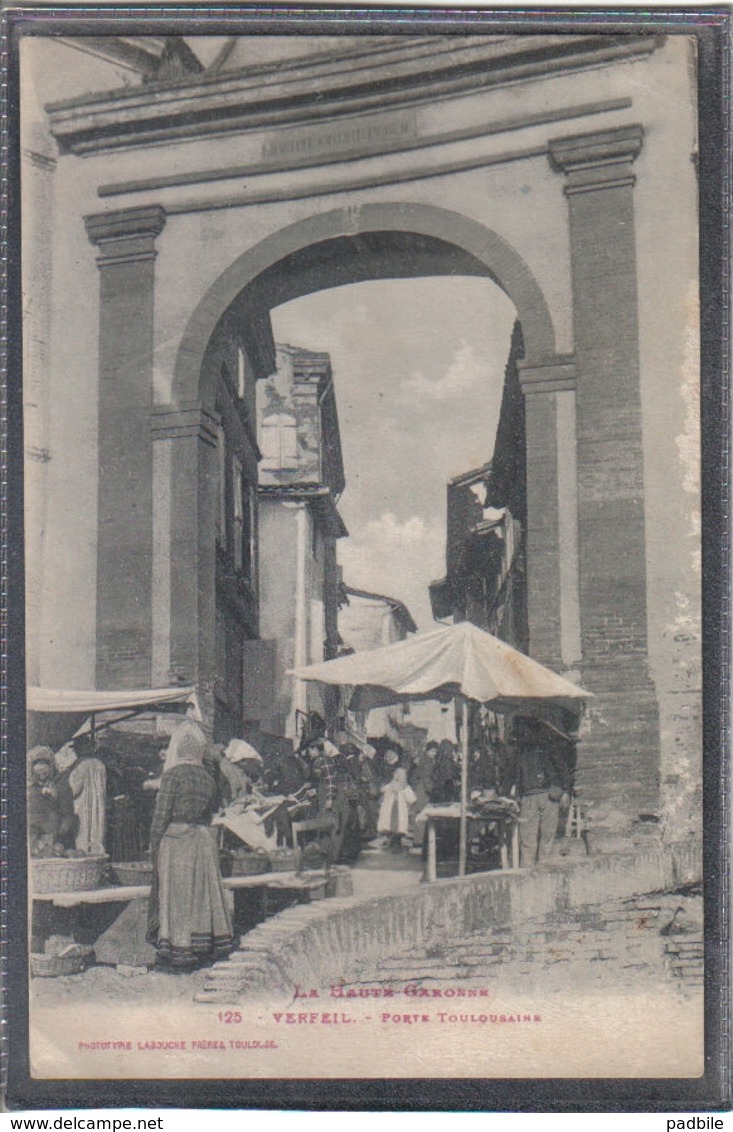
133	872
246	863
284	860
51	966
66	874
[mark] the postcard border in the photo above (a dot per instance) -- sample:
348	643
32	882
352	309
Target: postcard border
712	27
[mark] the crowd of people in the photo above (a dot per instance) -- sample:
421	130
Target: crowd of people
372	795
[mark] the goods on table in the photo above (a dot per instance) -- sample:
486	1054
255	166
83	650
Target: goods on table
46	845
250	821
246	862
66	874
488	804
284	860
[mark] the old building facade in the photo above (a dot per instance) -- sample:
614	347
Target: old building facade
186	206
370	621
486	508
301	481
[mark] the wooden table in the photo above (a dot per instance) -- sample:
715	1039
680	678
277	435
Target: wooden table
123	893
505	819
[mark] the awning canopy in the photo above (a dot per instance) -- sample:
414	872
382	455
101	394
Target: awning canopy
89	702
455	660
54	715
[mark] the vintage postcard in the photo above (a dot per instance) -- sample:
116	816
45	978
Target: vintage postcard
361	382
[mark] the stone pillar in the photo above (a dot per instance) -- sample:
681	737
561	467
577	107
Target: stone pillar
184	549
552	512
619	762
126	243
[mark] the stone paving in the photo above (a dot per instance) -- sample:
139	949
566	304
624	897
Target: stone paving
378	873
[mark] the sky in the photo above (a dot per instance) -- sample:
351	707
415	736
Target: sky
418	368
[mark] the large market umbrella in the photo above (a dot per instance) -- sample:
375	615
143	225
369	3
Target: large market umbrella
456	660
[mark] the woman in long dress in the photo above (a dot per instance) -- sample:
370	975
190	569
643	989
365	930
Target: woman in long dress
87	779
188	919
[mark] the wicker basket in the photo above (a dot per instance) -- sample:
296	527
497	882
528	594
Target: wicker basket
284	860
246	863
51	966
66	874
133	872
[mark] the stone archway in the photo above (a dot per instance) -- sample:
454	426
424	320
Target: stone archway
330	249
585	497
495	256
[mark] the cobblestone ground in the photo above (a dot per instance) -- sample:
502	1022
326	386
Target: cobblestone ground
638	942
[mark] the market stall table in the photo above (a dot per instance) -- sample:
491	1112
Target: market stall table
505	818
122	893
123	937
457	661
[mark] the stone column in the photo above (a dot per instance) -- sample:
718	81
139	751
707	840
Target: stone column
553	604
184	548
619	762
126	243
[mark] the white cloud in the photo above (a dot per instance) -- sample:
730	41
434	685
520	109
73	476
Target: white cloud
396	558
464	373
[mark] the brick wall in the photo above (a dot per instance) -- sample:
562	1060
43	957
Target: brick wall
346	939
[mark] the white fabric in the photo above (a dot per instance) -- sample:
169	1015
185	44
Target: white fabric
458	659
88	782
65	757
187	745
239	749
397	794
249	827
53	699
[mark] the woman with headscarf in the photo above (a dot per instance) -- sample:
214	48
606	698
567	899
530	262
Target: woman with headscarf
51	819
235	754
188	919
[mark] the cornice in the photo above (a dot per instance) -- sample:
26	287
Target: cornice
126	235
548	375
358	138
322	90
125	223
600	160
176	422
40	160
315	495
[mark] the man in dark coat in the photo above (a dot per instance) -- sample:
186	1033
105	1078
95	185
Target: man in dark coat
546	765
445	782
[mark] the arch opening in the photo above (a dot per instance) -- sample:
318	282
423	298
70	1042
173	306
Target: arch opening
297	412
346	246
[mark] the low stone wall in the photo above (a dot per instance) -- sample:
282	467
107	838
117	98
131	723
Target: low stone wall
345	939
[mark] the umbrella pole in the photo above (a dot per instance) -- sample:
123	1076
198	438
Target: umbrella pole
463	838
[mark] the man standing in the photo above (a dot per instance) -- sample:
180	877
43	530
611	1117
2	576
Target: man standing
337	797
546	758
